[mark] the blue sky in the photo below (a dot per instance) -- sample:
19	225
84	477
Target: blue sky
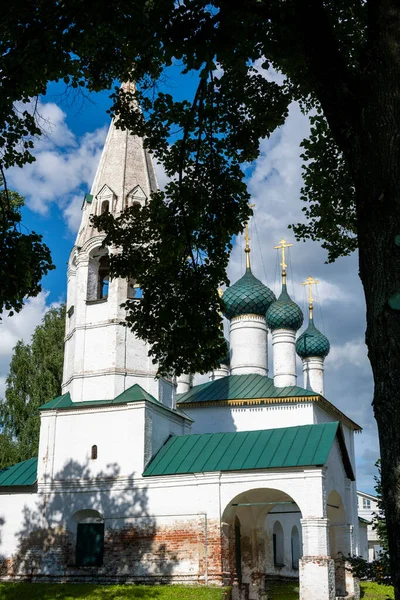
54	187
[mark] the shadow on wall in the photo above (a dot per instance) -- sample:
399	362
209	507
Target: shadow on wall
86	528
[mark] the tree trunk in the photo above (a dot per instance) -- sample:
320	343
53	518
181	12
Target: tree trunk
378	210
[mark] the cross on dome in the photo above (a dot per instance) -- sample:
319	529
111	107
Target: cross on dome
247	238
310	281
282	245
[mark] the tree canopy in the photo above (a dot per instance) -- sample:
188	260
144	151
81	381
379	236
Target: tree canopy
24	257
34	379
340	60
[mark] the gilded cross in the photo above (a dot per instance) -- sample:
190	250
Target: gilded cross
282	246
247	238
310	281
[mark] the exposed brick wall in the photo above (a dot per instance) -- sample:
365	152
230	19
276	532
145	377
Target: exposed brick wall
182	551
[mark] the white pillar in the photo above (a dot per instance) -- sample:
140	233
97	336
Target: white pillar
248	345
222	371
284	354
183	383
313	372
316	568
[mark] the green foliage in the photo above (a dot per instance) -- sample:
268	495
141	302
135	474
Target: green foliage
66	591
34	378
375	591
24	258
379	520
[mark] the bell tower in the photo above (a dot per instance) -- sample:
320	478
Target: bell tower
102	357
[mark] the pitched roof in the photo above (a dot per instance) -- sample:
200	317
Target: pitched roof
133	394
250	389
237	387
302	446
23	473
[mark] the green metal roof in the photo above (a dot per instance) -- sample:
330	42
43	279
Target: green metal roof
303	446
23	473
133	394
241	387
284	313
248	295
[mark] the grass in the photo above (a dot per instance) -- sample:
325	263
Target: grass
374	591
71	591
286	591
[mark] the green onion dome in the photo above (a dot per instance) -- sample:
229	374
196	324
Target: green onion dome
312	342
247	296
284	313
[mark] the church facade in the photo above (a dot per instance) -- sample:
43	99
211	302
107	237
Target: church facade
237	481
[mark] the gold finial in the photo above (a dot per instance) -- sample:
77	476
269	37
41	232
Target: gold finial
220	292
247	238
310	281
282	245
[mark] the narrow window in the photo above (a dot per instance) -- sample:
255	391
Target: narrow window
104	277
90	544
105	206
94	452
238	551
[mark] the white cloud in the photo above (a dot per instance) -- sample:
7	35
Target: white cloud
64	168
20	327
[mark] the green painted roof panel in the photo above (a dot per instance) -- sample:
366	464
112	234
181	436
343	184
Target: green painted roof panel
305	445
21	474
241	387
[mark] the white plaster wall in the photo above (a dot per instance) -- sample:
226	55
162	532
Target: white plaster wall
313	374
363	547
288	521
214	419
248	345
15	522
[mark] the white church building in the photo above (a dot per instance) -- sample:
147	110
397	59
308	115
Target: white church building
238	481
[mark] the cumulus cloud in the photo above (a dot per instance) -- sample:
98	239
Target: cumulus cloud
64	167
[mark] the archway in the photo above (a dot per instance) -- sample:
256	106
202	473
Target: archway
257	529
295	548
88	526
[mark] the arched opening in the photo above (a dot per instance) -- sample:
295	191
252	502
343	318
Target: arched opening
134	290
98	275
256	542
89	547
278	545
105	206
295	548
93	454
104	277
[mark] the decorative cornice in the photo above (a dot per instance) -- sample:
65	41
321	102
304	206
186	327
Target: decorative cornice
325	404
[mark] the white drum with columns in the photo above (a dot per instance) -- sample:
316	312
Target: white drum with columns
248	340
313	373
283	346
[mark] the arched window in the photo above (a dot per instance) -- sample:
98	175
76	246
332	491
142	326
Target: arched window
94	452
98	275
89	538
105	206
104	277
295	543
277	541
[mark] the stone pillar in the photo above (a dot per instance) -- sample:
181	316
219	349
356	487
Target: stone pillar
248	345
183	383
313	372
316	568
222	371
284	353
345	583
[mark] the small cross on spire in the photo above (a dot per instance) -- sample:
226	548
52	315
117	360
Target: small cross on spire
310	281
282	245
247	238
